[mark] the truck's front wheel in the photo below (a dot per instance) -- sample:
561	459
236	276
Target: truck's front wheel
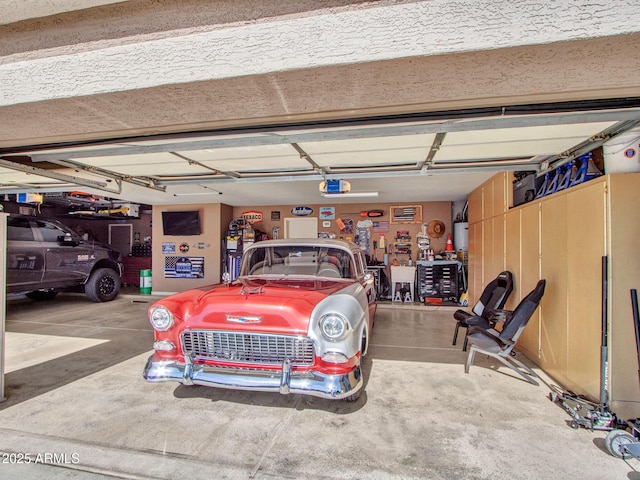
103	285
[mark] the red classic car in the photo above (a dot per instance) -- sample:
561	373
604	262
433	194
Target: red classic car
297	320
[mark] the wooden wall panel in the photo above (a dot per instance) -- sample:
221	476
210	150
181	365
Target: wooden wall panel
529	275
513	256
487	250
529	249
553	326
586	242
624	265
499	199
475	206
475	262
509	200
487	199
498	247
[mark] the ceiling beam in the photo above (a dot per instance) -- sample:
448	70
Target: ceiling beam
435	147
145	182
56	176
206	167
347	174
305	156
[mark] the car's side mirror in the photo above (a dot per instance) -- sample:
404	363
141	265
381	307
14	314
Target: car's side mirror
368	277
226	278
67	239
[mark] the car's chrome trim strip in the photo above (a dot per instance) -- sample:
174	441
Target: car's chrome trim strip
317	384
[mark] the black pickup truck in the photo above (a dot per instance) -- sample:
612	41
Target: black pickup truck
45	257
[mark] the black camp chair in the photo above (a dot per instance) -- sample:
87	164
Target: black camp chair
500	345
493	297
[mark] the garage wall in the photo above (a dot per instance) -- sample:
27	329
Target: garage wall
99	229
214	218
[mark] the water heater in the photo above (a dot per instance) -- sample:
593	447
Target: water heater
461	236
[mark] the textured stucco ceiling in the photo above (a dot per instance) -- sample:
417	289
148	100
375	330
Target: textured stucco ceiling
18	10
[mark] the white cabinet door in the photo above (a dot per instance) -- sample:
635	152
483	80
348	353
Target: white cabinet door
306	227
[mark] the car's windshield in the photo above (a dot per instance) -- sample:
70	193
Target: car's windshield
306	260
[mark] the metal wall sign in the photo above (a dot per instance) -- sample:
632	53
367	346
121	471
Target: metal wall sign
301	211
252	216
328	213
183	267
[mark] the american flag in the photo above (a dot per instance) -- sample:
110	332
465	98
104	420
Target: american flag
183	267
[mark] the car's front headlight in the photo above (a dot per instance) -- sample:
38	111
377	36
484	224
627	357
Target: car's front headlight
161	319
334	326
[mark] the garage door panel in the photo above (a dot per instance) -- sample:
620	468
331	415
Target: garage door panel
398	150
535	133
145	164
516	149
371	158
9	177
250	158
515	142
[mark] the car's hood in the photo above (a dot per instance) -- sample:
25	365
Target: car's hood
264	305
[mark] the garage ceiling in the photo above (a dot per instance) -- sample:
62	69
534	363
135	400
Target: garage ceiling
416	158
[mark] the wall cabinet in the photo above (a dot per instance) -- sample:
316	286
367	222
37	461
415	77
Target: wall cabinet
563	238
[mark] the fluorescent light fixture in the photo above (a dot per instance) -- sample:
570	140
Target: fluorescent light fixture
349	194
195	194
203	190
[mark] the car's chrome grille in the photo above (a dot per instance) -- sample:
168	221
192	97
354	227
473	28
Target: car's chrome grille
250	348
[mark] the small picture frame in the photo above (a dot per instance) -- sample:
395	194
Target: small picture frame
406	214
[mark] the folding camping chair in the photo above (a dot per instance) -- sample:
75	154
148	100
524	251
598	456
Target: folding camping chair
493	297
500	345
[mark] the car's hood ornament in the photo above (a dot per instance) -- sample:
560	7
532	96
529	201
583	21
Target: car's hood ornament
251	291
244	318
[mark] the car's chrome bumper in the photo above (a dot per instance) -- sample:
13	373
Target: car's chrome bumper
333	387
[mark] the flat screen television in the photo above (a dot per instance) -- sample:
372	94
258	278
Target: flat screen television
181	223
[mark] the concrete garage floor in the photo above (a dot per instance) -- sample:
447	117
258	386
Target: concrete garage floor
75	389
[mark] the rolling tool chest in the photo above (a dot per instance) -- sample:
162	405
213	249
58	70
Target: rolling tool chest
438	279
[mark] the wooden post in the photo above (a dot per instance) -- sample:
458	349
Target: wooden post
3	296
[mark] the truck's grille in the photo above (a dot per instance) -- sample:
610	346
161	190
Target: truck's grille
250	348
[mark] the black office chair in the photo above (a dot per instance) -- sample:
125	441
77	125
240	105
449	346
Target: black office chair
493	297
500	345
